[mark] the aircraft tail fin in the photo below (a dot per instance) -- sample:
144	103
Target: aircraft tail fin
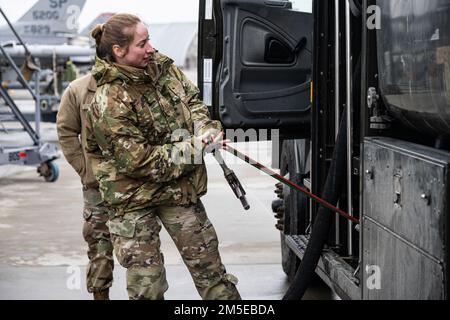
56	16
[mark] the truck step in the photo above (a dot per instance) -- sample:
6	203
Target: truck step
332	268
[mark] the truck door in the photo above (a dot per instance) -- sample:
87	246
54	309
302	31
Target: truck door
255	64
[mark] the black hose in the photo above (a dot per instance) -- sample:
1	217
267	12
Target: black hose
320	232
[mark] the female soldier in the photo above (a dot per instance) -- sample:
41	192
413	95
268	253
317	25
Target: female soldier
142	100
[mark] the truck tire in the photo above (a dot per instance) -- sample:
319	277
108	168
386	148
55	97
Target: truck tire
296	208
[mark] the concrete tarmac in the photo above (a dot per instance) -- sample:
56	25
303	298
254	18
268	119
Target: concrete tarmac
43	253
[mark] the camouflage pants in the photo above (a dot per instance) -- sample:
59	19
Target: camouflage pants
137	246
99	273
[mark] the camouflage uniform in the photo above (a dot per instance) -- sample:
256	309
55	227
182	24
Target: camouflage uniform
99	273
131	124
71	123
70	72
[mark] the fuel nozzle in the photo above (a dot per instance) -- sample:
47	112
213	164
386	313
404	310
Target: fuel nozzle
229	174
235	185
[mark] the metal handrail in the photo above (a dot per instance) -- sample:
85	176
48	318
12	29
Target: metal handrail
11	62
4	93
19	73
34	136
15	33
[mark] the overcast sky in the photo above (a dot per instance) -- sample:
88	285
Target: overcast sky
151	11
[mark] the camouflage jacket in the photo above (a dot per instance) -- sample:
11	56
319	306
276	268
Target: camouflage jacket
131	122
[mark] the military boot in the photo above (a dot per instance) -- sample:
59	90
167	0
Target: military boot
101	295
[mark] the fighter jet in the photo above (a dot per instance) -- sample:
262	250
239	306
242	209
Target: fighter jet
47	30
48	21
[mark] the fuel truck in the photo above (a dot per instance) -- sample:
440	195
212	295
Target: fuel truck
359	91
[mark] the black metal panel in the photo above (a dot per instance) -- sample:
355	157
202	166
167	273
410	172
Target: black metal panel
406	194
405	190
322	119
413	59
209	49
405	271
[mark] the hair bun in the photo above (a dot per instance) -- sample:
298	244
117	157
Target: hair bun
97	32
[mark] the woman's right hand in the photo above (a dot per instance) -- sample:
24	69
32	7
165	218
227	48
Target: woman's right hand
213	139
